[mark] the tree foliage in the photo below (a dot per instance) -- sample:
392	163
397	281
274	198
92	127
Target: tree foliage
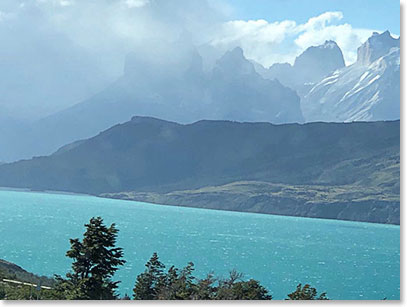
306	293
95	260
175	284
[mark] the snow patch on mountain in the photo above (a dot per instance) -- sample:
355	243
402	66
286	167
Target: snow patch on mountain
309	67
366	90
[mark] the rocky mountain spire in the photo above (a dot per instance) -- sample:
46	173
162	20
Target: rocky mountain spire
376	46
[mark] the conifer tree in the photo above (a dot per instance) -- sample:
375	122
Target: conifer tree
96	259
148	283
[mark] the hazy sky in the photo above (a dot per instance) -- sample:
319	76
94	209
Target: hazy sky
69	49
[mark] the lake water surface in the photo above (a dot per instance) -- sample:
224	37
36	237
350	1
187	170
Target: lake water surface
348	260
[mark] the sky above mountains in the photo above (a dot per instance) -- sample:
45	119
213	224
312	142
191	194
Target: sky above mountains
359	13
46	44
268	31
282	29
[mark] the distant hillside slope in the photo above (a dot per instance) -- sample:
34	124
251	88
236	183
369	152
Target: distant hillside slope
376	204
148	154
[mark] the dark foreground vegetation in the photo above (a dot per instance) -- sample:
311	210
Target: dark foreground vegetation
95	260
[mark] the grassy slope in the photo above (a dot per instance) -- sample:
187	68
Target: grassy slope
373	198
345	202
373	195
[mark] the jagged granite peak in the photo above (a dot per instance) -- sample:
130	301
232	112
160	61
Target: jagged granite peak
234	62
329	44
357	92
318	61
376	46
239	92
309	67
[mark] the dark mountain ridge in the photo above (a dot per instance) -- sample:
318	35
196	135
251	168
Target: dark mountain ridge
329	170
151	154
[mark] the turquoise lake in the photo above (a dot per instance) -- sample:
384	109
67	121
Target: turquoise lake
348	260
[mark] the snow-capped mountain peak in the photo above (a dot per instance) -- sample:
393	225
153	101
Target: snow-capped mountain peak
309	67
366	90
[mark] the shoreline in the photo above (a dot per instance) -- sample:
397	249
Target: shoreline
181	206
44	191
250	212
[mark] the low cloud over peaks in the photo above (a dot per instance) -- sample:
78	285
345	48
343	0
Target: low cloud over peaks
281	41
87	42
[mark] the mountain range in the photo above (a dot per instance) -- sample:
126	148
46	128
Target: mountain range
311	66
344	165
231	135
367	90
317	87
180	90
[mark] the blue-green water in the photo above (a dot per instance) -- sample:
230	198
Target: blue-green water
349	260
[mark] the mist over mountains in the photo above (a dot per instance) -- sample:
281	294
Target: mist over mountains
179	87
179	90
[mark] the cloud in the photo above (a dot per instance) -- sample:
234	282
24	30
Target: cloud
136	3
56	53
271	42
65	3
321	21
348	39
61	3
259	39
65	45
